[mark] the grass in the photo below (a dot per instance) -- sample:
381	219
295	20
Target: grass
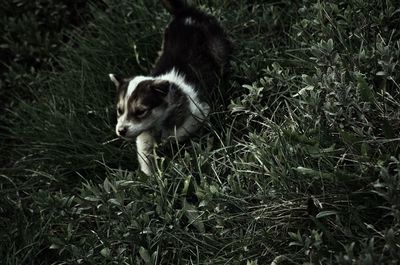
299	163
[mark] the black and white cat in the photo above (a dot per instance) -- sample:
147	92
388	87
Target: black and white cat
170	101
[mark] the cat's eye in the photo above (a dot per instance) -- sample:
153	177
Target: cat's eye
140	113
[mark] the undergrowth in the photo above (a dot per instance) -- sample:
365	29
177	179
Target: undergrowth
299	163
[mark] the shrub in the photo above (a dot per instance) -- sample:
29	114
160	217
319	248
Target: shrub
300	164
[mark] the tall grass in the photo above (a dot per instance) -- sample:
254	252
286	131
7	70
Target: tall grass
299	163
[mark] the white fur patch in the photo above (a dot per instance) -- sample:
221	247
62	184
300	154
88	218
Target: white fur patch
145	144
134	83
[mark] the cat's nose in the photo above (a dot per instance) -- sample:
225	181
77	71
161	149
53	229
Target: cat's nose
122	131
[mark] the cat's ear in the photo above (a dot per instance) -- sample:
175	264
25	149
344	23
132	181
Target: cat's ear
116	80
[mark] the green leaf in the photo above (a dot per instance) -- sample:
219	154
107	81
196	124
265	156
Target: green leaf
92	199
330	45
105	252
194	217
366	93
213	189
114	201
54	246
69	231
295	244
108	186
326	213
186	185
144	253
381	73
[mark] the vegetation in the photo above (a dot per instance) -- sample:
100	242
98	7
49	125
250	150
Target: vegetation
299	163
31	35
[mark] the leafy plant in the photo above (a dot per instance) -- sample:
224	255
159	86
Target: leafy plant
299	163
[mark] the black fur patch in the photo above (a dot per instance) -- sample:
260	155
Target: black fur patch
122	88
196	46
178	108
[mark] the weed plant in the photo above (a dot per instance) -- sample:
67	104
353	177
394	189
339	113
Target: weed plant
299	163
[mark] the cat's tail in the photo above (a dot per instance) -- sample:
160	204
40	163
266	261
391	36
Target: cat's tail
175	6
